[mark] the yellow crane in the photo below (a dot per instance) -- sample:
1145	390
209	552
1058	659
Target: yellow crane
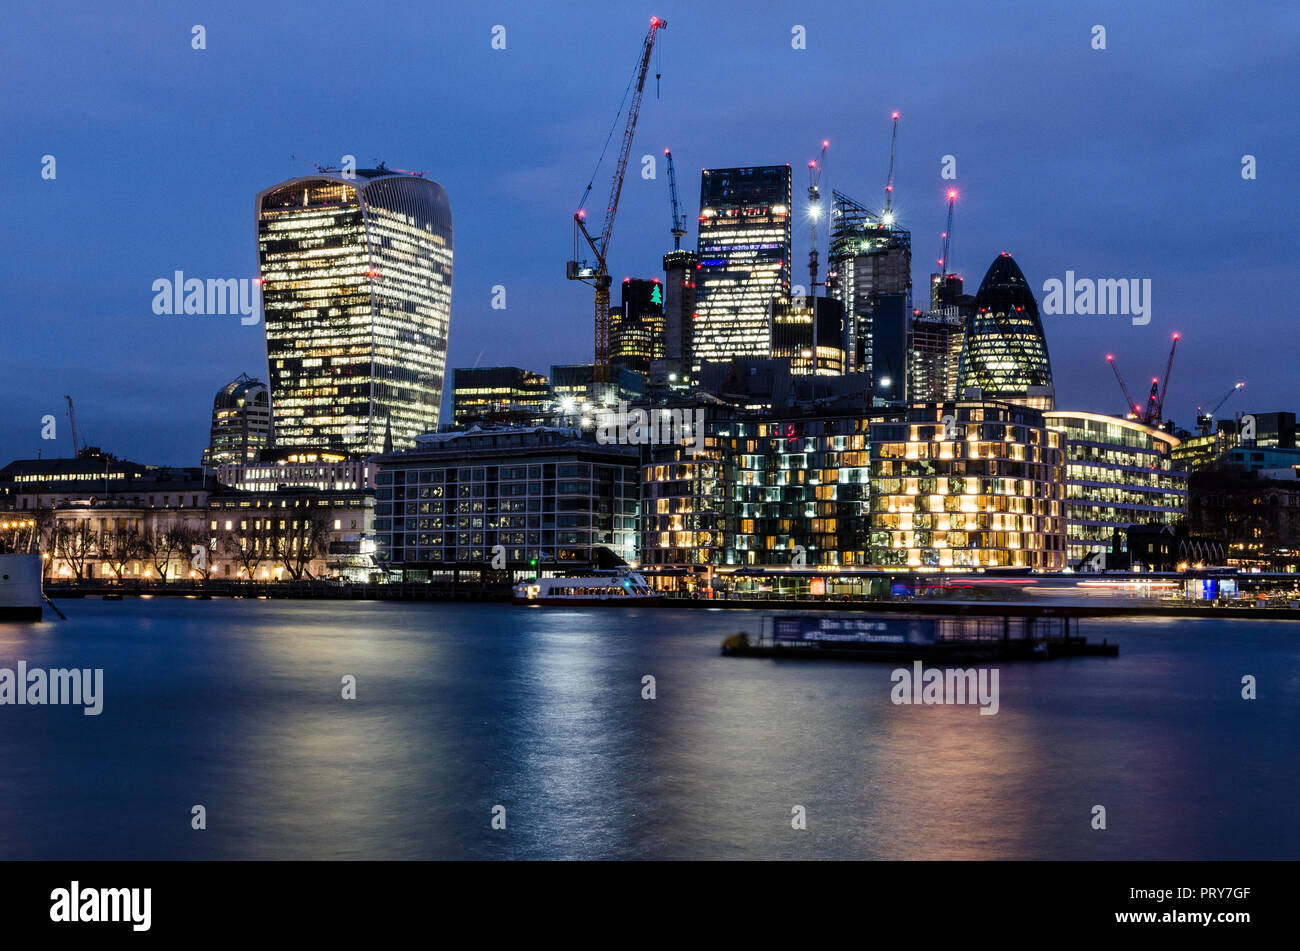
597	275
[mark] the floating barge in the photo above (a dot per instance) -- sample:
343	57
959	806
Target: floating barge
893	638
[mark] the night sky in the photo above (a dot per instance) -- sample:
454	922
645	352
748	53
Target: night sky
1119	163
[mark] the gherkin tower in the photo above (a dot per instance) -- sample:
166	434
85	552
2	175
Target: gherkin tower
1005	354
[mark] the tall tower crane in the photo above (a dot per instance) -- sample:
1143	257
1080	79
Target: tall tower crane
72	420
814	213
1152	412
1164	386
1134	408
889	185
947	239
679	220
1205	421
598	276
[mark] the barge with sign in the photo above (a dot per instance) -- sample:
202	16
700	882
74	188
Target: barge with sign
892	638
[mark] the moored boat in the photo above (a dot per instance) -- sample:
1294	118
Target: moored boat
21	597
622	587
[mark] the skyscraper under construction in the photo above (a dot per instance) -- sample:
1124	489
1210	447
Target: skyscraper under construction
356	294
870	258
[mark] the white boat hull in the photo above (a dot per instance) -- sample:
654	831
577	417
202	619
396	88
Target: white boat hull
21	597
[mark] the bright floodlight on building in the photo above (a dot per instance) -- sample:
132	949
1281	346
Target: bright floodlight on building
887	218
567	404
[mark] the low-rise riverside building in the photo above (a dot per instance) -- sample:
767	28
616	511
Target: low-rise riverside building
1118	473
505	499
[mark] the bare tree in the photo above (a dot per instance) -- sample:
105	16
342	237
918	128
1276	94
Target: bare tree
298	546
77	544
166	543
123	546
247	550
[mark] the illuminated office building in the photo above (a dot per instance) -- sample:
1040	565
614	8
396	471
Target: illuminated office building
809	332
934	355
870	258
636	330
967	484
743	260
1005	352
356	294
679	310
241	422
1118	473
500	396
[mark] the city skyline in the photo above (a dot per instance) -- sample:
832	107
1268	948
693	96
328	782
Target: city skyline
144	383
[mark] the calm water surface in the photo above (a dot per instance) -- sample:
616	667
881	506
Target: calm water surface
236	705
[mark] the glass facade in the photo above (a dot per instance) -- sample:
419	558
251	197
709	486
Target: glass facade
636	329
762	492
500	395
241	422
356	291
967	485
1005	352
870	256
809	332
547	495
1118	473
743	260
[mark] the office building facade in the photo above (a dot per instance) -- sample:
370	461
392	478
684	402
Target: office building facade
967	484
743	260
1005	352
500	396
1118	473
549	497
241	422
636	327
356	292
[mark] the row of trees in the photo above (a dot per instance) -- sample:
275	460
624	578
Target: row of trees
77	543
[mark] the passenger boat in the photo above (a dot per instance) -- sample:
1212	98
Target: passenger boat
623	587
21	597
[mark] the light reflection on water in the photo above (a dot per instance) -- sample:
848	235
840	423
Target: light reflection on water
236	705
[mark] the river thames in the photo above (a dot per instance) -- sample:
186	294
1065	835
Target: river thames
237	706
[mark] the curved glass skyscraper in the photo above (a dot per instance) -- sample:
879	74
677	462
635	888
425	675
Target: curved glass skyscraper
356	298
1004	355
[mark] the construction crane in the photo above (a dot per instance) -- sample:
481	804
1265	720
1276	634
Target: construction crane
1164	386
1136	410
72	420
598	276
316	165
947	239
1205	421
814	213
1152	412
679	220
889	185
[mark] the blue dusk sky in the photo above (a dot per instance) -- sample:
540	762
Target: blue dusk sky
1116	163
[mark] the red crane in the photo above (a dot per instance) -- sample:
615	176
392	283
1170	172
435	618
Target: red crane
1152	412
598	276
1136	409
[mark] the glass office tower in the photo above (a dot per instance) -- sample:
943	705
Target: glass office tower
1005	353
743	260
356	298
